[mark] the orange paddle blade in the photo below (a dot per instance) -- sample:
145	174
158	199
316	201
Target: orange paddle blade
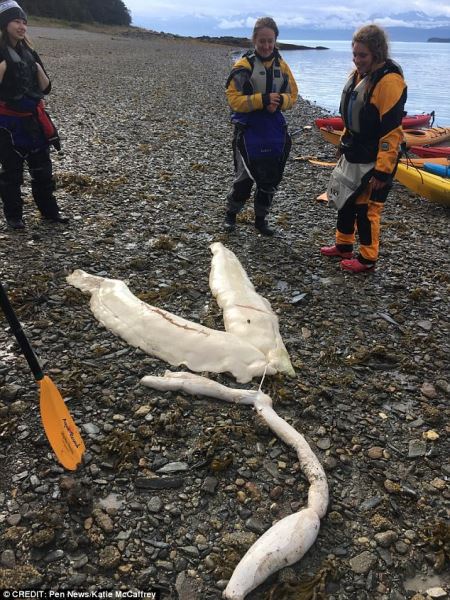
60	429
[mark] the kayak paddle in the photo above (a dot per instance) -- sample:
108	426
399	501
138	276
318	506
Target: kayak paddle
60	429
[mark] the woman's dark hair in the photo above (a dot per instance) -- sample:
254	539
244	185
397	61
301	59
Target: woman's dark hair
376	41
4	39
263	22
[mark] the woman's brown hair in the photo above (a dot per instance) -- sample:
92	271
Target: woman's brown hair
376	41
263	22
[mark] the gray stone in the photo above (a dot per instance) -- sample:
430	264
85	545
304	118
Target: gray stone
417	448
158	483
173	467
210	485
370	503
386	538
363	563
155	504
14	519
9	392
8	559
255	525
54	556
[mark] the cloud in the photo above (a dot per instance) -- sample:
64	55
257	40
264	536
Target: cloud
245	23
240	15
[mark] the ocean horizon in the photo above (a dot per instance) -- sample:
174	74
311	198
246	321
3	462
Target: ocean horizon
321	74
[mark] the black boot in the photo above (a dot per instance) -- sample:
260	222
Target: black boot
56	218
262	227
15	223
230	222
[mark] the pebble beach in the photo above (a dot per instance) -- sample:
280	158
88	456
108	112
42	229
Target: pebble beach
145	166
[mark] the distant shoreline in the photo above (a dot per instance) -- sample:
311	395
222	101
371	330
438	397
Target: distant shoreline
222	40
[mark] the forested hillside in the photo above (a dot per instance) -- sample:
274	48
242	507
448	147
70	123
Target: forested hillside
111	12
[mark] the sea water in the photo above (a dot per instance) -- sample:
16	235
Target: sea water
321	74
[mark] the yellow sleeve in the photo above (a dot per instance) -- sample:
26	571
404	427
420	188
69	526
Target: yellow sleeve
389	97
237	100
291	94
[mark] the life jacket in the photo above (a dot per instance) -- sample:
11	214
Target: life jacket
21	75
361	123
262	80
266	80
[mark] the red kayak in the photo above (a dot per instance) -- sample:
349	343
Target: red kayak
426	151
408	122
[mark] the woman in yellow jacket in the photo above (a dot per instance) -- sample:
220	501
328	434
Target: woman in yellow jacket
259	87
372	106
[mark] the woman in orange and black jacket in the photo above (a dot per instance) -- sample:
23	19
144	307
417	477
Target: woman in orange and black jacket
372	107
26	130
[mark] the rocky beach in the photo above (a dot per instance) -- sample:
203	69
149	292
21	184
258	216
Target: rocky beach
174	489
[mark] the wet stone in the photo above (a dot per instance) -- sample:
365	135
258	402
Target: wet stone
155	504
436	592
54	556
324	443
371	503
14	519
255	525
8	393
190	551
210	485
90	428
363	563
109	557
386	556
386	538
428	390
76	580
78	562
416	448
158	483
173	467
402	548
8	559
376	452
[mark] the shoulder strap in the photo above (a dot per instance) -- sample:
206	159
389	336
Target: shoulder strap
389	66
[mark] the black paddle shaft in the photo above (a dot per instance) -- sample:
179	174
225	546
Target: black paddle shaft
20	336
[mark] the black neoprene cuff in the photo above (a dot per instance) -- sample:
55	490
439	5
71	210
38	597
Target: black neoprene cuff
381	176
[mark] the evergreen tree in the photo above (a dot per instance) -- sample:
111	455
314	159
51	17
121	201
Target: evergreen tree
110	12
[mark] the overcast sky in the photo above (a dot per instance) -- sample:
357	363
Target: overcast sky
218	17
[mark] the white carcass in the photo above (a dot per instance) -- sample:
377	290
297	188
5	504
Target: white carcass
167	336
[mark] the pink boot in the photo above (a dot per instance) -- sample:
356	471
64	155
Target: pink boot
354	266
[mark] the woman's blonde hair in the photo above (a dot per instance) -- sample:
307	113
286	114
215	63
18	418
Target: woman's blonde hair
263	22
376	41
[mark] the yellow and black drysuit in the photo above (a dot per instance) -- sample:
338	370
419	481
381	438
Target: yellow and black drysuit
261	143
372	108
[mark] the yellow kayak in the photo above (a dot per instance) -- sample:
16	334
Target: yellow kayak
432	187
331	135
413	137
413	162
